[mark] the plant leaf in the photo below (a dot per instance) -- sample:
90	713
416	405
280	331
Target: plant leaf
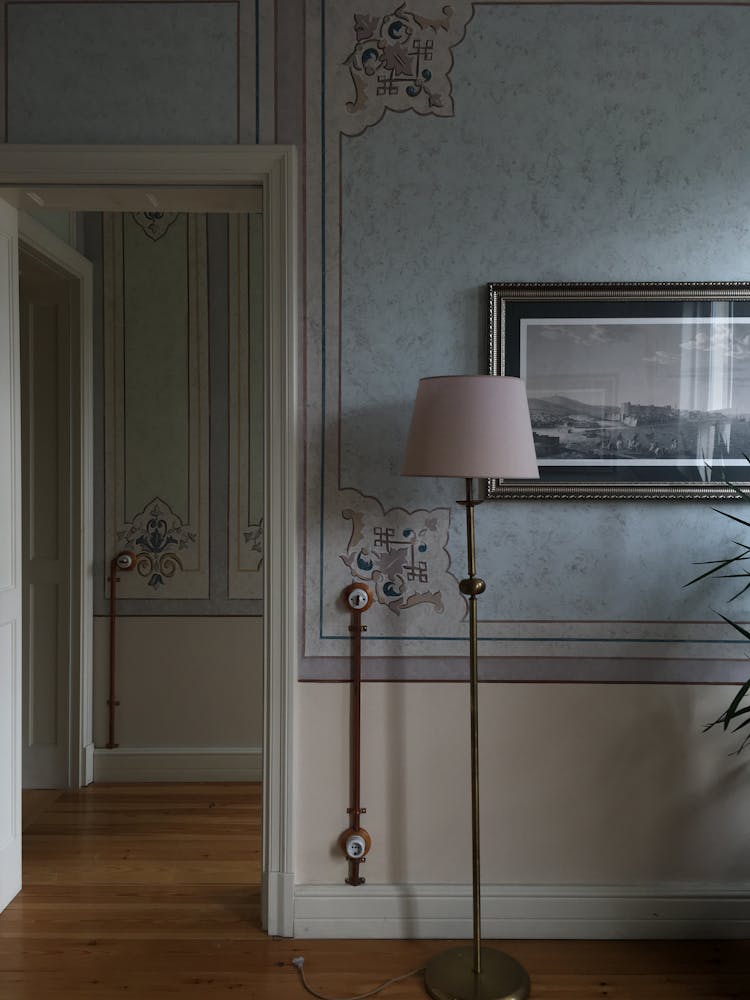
739	592
729	714
740	629
718	565
733	517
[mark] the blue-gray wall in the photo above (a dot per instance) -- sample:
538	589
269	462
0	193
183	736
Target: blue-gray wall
569	143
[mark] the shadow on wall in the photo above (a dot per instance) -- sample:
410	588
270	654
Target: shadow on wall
396	790
372	442
679	791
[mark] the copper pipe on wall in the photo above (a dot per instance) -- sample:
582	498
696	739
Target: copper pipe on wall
356	629
355	841
124	561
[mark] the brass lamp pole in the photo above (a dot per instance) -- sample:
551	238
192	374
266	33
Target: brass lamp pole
472	426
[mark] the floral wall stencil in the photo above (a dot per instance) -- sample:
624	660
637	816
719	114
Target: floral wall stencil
156	349
182	330
154	224
402	554
253	539
158	537
401	59
395	559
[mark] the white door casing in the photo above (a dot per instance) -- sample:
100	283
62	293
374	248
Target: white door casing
10	562
45	331
77	271
274	169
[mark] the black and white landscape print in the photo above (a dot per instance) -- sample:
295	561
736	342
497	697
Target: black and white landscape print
665	391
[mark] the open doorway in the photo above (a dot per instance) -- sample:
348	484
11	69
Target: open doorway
21	167
178	482
178	338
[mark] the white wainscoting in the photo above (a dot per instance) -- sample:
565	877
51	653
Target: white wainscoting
189	764
678	910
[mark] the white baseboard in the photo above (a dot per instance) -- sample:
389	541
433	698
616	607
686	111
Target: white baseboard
180	764
277	903
88	764
673	910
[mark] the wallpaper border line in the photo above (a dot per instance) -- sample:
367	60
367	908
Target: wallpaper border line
531	669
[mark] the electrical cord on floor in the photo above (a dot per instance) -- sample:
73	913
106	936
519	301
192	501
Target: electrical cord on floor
299	962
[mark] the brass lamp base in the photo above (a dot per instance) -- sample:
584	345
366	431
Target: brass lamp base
450	976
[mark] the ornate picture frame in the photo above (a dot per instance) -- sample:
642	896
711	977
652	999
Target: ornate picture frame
636	391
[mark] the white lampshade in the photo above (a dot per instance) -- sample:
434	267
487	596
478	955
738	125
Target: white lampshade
472	426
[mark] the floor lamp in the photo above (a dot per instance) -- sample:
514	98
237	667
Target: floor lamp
472	426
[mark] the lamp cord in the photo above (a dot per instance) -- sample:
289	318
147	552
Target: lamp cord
300	965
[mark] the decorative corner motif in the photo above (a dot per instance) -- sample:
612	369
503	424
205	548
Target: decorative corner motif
155	224
399	553
402	61
253	538
158	535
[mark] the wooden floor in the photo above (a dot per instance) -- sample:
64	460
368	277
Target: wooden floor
152	891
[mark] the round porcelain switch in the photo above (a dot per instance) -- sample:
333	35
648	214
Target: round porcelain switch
355	846
358	597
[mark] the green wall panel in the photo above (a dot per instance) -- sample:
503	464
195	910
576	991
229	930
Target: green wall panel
156	366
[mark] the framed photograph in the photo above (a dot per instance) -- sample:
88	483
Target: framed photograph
636	391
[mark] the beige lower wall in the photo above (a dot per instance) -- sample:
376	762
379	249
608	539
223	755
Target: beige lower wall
182	682
581	784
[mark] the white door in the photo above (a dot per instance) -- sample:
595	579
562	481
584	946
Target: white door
46	409
10	562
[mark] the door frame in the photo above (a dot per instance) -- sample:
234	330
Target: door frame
274	168
36	239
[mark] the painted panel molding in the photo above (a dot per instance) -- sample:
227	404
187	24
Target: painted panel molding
245	374
156	384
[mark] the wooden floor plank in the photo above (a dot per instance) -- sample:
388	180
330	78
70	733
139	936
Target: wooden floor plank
149	891
35	803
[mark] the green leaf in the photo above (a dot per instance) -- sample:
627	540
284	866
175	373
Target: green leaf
740	629
729	714
733	517
739	592
737	489
718	565
740	711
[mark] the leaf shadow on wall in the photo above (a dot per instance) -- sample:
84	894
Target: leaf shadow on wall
682	793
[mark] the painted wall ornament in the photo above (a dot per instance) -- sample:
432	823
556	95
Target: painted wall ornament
253	536
155	224
402	60
156	394
403	554
158	536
